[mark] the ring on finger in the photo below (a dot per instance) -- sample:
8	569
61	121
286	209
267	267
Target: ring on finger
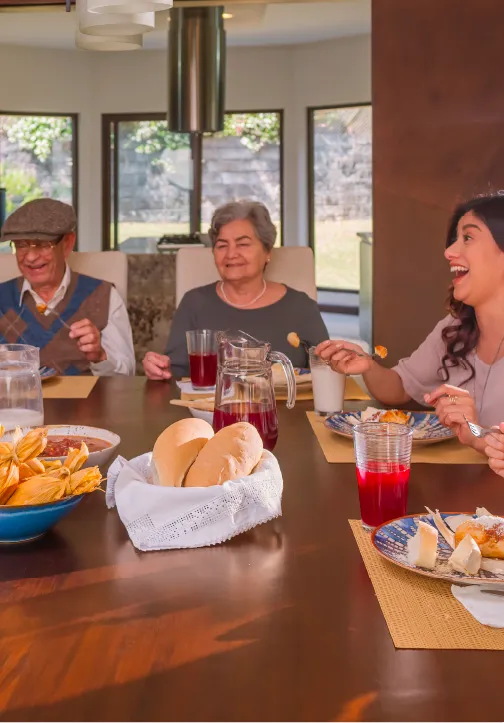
452	399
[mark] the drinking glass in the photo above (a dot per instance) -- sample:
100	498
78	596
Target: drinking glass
328	386
21	402
383	458
202	350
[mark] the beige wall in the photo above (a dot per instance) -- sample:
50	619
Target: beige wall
288	77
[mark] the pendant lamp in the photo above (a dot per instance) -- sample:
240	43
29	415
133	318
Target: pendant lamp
110	42
127	6
110	25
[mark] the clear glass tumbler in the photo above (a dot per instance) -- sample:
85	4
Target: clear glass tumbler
383	459
202	350
328	386
21	402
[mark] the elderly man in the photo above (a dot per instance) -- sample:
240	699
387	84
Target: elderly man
79	323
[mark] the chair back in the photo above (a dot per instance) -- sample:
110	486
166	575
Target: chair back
109	266
291	265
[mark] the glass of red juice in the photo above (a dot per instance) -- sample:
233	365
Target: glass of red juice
383	459
202	350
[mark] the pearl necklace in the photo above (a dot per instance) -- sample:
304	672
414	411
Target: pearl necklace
243	306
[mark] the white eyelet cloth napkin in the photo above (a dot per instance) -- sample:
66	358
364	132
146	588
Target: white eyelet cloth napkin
165	518
187	388
486	609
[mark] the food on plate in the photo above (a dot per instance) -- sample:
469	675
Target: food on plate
442	527
293	339
488	534
25	479
59	446
422	547
177	448
381	351
466	557
395	416
232	453
41	308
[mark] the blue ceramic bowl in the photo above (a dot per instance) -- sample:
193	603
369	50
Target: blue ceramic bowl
27	522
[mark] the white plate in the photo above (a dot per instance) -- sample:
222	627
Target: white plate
202	414
100	458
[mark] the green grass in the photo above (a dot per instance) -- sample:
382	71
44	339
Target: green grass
336	252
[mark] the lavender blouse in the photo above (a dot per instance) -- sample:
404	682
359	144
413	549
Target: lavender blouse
420	375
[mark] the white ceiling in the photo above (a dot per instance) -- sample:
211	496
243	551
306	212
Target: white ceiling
252	25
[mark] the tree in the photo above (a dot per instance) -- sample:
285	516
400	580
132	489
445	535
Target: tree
37	134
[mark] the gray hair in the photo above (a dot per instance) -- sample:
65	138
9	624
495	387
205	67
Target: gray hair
252	211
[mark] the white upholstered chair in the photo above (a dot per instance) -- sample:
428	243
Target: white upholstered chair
109	266
292	265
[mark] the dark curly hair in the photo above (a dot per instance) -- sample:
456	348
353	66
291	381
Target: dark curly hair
461	337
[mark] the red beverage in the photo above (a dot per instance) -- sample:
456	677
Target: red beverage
203	369
383	492
264	419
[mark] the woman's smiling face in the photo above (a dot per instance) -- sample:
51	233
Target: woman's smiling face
239	254
476	262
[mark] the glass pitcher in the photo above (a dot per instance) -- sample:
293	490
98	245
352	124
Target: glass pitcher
245	390
21	402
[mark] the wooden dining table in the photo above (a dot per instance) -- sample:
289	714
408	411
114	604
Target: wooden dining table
280	623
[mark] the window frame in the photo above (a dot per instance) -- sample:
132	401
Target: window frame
75	150
110	167
349	309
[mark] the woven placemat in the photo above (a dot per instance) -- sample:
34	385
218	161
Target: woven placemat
421	612
68	387
338	449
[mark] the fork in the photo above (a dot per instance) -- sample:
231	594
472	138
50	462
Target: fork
48	311
478	431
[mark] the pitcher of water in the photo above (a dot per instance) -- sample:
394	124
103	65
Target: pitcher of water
21	402
245	390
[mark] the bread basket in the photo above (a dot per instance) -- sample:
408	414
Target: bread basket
167	518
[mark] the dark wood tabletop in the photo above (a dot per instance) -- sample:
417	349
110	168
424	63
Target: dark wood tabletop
280	623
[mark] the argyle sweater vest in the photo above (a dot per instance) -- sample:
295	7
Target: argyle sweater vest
21	323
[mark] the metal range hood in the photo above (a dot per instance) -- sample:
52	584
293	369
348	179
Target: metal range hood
196	70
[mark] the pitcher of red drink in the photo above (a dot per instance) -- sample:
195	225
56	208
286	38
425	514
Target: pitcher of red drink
245	390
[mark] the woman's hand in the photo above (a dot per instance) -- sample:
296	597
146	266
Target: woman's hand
494	450
342	356
451	404
156	366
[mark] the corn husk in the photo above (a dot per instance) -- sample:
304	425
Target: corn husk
38	490
85	480
51	465
30	469
9	480
23	449
2	431
76	458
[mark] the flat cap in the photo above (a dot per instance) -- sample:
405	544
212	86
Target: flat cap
40	220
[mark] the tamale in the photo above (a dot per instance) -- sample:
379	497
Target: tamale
38	490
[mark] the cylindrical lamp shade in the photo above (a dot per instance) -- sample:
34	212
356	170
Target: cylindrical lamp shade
196	72
127	6
107	25
111	42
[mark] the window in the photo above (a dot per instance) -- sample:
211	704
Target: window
340	192
38	157
244	161
149	172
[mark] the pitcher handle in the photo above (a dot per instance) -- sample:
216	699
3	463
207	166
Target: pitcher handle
277	356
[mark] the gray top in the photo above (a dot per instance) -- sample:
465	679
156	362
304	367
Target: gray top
202	308
420	375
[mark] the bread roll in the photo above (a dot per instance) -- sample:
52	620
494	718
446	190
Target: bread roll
488	534
176	449
232	453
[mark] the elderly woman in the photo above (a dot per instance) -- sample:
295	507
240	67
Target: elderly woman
242	236
459	368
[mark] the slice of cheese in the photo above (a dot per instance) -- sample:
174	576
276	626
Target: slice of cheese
422	548
466	557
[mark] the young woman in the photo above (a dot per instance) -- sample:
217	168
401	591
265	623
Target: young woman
459	368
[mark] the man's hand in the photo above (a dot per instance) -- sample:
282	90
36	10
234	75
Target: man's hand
88	340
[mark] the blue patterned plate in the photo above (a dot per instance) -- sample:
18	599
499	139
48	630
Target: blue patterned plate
390	541
427	429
